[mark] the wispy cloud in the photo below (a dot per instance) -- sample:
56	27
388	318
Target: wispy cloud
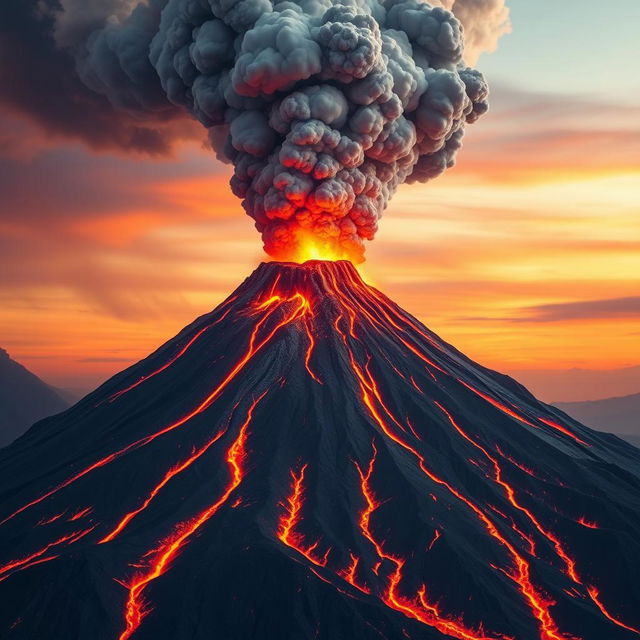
628	307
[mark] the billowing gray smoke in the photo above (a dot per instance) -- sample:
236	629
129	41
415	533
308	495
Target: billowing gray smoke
324	107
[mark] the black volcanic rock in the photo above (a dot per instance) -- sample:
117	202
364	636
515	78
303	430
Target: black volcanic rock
24	399
308	461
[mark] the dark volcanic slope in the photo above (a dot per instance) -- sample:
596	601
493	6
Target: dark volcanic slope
24	398
308	461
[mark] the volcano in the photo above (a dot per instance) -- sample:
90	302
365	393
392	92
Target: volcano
308	461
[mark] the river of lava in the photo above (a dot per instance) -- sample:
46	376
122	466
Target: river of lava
159	558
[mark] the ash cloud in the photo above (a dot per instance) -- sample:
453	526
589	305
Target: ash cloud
485	22
39	83
323	107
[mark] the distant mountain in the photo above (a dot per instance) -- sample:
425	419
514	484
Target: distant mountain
579	385
614	415
73	395
24	399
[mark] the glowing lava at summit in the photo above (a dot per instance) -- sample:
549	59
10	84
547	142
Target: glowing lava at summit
309	461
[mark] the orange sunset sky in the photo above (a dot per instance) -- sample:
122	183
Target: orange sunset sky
526	256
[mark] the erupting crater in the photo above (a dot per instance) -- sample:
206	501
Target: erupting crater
310	461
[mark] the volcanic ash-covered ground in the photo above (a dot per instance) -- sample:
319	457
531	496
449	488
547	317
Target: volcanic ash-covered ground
308	461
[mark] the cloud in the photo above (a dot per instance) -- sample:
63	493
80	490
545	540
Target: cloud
530	136
38	81
105	359
484	21
98	249
105	230
323	108
628	307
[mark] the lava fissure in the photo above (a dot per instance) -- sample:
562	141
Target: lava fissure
252	349
17	565
595	597
169	475
161	556
568	561
291	518
511	497
419	608
538	603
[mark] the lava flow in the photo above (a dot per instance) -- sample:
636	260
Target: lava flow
310	461
161	556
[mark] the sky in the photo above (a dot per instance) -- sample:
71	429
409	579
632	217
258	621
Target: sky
525	256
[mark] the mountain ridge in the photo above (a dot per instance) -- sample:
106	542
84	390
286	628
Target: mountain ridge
619	415
24	399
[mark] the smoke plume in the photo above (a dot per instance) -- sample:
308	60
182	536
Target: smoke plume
484	21
324	107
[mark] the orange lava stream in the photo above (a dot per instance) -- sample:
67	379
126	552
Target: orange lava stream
570	564
386	310
511	497
517	416
515	463
167	364
538	604
254	347
291	517
17	565
383	300
376	392
174	471
587	523
307	310
350	574
595	597
45	521
498	405
559	427
436	537
420	609
375	322
421	355
528	539
366	292
136	609
309	353
80	514
29	564
358	309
